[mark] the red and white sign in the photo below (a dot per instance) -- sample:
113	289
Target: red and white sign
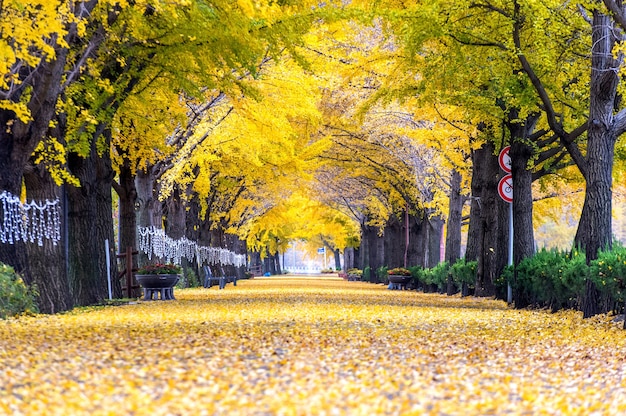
505	188
505	160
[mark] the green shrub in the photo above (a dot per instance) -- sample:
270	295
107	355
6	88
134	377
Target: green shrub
570	286
435	278
367	271
551	278
418	276
608	272
381	274
15	296
464	272
188	279
463	275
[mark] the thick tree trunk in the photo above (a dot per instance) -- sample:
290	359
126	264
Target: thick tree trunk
435	231
277	268
18	141
47	263
175	215
394	243
337	256
597	208
453	227
375	251
418	237
486	167
348	258
523	238
127	193
90	223
455	219
149	208
472	251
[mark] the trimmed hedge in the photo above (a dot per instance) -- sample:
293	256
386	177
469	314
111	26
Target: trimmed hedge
556	279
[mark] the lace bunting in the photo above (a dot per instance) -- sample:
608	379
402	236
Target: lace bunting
29	222
154	242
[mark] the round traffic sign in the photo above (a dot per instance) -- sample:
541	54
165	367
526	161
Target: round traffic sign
505	188
504	159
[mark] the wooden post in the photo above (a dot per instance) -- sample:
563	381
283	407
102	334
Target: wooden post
128	272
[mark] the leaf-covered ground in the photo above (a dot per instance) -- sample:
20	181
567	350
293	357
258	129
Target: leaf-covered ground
279	346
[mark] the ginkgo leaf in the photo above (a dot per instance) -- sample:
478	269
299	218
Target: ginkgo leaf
298	346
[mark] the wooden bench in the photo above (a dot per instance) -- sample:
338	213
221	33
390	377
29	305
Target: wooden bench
222	280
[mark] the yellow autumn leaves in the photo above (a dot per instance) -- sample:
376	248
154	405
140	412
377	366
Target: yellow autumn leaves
287	346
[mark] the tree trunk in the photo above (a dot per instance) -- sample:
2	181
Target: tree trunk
486	166
435	230
394	243
18	142
175	215
127	193
455	218
337	256
453	227
375	251
149	208
597	208
47	263
348	258
418	238
90	222
472	251
523	238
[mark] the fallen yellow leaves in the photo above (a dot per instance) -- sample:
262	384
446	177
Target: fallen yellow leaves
305	346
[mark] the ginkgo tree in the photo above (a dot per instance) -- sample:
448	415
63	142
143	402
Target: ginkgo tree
471	61
94	56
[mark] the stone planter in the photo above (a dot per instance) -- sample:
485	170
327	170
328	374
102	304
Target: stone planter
398	281
157	286
396	278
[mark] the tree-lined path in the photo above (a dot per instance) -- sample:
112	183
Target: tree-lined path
310	345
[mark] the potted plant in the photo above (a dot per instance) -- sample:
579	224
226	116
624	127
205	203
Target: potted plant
158	280
399	275
354	274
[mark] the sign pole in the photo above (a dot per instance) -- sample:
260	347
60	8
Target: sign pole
505	189
509	291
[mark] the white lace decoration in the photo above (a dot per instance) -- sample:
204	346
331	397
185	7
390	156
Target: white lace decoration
154	242
29	222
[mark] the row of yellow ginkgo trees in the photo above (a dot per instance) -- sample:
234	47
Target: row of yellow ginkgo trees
187	103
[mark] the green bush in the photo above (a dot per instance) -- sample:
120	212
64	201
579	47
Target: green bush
463	275
435	278
418	276
608	272
551	278
381	274
366	274
464	272
570	286
15	296
189	279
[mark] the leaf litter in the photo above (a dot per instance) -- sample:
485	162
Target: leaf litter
311	347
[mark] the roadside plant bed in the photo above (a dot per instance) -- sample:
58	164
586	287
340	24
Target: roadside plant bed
158	280
354	275
399	278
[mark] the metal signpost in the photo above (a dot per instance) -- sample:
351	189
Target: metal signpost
505	190
322	251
